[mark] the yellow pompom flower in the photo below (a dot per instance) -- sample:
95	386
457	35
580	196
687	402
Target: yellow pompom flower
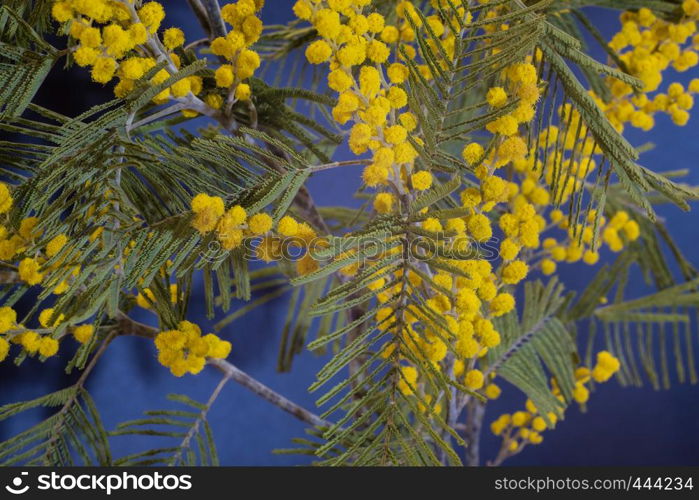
473	153
492	391
4	349
103	69
116	40
421	180
138	33
230	237
243	92
29	271
223	47
8	248
493	188
5	198
581	393
509	249
318	52
397	73
390	35
359	138
85	56
151	15
512	149
607	365
479	227
83	333
548	267
172	38
29	340
288	226
383	203
502	304
91	37
396	134
237	215
123	88
218	349
496	97
180	88
248	61
378	52
48	346
214	100
134	68
207	210
62	12
504	125
302	9
374	175
46	316
228	228
474	379
487	290
8	319
260	224
327	23
590	257
339	80
514	272
397	97
224	75
27	226
631	230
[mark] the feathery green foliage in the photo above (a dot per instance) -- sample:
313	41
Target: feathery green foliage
120	179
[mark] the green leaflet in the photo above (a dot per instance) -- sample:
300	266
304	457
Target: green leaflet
22	69
535	338
186	435
73	435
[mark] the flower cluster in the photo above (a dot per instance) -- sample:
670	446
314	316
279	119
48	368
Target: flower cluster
359	51
36	257
525	427
185	350
481	291
648	45
577	245
233	225
116	40
39	341
291	233
106	31
515	203
31	341
33	268
235	47
371	88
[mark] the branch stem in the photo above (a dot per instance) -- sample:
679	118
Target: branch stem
202	416
128	326
202	16
265	392
213	12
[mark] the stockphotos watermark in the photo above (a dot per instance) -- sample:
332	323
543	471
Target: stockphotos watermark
365	249
107	483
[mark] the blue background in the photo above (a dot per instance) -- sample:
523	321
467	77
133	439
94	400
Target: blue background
623	426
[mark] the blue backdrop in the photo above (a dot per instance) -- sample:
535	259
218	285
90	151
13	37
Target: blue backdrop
623	426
